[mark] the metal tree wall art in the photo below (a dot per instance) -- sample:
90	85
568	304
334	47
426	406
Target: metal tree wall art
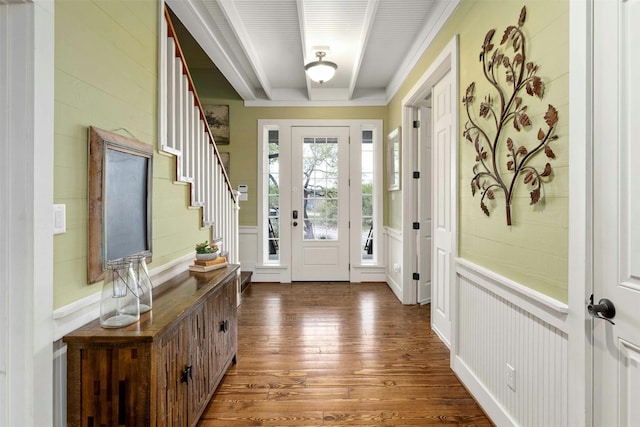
503	122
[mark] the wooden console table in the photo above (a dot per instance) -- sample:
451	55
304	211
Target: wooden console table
162	370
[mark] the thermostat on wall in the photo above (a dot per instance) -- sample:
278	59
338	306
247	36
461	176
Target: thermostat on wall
243	190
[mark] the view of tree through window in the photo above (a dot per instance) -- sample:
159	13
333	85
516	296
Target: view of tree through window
316	187
320	187
273	228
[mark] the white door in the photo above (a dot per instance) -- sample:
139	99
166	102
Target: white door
320	203
442	222
616	358
424	205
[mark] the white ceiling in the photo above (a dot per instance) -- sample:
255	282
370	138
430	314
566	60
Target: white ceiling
261	46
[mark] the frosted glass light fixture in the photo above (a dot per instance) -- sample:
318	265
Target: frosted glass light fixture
321	71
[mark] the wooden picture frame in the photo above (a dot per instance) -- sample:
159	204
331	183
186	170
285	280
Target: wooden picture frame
394	160
120	176
218	121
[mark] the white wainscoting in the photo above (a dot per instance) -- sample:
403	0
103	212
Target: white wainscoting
249	259
393	247
500	322
282	273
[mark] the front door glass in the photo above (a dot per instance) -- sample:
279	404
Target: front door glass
320	188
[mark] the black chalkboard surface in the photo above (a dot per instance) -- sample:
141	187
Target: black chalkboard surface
120	177
125	210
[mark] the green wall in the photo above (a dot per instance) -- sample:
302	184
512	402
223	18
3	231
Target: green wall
106	76
534	251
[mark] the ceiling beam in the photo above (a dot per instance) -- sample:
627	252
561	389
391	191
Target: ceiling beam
235	22
305	48
367	25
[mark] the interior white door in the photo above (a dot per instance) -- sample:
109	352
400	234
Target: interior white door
441	216
424	205
616	211
320	203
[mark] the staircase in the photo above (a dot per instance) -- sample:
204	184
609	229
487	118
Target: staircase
190	140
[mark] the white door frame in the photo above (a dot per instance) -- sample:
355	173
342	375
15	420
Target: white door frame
446	62
580	281
281	271
26	185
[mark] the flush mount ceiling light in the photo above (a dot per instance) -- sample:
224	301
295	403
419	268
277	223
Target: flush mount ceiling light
320	71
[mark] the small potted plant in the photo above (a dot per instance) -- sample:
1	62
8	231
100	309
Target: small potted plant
206	251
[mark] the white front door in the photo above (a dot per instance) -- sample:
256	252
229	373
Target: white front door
320	203
616	356
442	164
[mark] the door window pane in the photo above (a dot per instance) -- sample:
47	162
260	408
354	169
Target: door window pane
273	197
367	229
320	188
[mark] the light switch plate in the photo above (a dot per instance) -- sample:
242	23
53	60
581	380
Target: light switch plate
59	219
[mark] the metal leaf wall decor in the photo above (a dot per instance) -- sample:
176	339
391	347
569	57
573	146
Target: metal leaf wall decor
503	122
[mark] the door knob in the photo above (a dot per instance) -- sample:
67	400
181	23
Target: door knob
603	310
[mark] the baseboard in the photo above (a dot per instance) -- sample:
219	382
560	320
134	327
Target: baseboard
481	394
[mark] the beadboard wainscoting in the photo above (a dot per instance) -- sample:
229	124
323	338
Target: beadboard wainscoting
500	325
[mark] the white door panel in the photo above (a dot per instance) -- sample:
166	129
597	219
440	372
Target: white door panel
424	205
616	212
320	196
442	191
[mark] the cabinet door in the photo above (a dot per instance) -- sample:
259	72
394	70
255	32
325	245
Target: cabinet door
171	387
113	386
199	389
215	316
230	310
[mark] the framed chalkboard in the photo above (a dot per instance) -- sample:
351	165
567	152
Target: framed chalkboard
120	178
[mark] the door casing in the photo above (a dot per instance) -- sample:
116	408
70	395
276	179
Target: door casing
281	271
446	62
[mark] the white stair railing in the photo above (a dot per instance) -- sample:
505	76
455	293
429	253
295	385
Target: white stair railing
198	161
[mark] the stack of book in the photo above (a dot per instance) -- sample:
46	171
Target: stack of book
203	266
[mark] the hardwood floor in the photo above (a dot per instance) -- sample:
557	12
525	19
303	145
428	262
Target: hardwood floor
327	354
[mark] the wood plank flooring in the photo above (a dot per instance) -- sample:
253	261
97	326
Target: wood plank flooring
327	354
